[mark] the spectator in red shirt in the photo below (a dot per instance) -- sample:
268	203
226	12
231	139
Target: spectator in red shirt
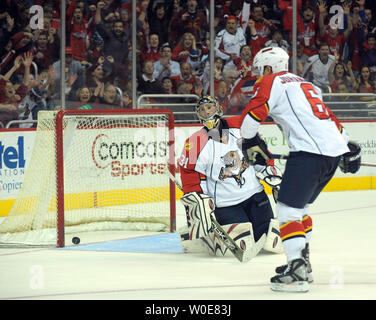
186	75
151	52
79	32
9	96
331	35
286	7
185	48
263	26
306	31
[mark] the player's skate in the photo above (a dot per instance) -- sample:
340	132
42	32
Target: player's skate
293	279
305	254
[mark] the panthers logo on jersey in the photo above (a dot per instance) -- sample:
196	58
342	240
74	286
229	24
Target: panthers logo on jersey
234	167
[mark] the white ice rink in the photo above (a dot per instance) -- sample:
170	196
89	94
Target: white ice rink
343	257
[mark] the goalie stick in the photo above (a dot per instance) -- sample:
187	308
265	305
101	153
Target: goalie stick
240	254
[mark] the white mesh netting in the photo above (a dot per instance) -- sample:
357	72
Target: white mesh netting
113	178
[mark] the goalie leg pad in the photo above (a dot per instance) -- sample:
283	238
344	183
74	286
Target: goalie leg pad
243	235
201	245
198	208
273	241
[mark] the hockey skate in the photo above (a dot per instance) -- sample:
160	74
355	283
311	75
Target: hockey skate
305	254
293	278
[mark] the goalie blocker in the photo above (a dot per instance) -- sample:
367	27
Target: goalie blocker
199	208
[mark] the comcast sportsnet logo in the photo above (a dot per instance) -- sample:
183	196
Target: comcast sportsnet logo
125	158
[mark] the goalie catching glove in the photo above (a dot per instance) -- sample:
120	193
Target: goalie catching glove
255	150
198	209
350	161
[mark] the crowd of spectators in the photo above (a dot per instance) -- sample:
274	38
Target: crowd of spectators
336	50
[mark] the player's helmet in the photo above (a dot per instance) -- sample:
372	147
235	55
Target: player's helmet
211	121
275	57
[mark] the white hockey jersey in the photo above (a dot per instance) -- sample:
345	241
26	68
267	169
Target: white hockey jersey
215	166
297	107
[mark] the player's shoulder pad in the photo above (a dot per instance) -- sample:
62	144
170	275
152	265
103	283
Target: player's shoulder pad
196	141
234	122
267	81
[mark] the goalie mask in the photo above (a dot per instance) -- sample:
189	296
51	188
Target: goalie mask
209	112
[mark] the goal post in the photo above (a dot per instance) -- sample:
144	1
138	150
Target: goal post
95	170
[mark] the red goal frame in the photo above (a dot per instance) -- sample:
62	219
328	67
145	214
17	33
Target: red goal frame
60	151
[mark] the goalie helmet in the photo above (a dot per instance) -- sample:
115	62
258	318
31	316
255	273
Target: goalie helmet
275	57
211	121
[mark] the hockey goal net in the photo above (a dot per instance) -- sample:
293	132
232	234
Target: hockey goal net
95	170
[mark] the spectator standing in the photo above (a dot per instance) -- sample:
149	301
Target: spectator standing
79	31
331	35
115	41
317	67
263	26
189	19
229	40
159	16
306	30
46	51
151	52
9	96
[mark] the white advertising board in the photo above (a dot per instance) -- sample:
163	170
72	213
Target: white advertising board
16	148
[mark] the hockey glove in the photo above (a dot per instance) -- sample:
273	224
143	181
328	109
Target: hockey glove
350	161
272	176
255	150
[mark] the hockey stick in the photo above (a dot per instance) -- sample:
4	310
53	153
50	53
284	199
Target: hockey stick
279	156
240	254
286	156
368	164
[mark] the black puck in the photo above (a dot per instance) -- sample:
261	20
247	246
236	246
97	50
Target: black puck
75	240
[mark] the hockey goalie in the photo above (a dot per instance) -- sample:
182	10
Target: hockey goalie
216	178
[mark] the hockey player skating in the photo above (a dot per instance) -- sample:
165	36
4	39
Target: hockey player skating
317	142
213	170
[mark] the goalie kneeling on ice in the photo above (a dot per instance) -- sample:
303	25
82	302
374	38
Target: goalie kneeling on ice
242	233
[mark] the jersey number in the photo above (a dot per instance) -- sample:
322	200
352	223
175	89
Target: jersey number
319	108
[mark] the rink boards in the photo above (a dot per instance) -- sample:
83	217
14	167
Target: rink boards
16	148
